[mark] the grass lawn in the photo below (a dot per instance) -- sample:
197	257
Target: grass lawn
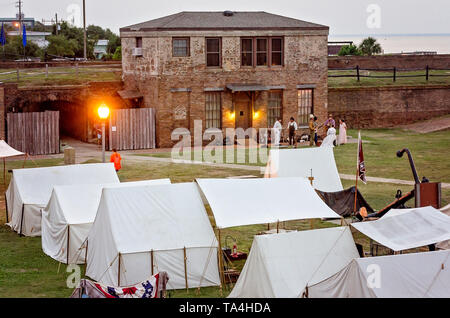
25	271
442	78
37	77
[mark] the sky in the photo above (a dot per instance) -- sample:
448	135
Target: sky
344	17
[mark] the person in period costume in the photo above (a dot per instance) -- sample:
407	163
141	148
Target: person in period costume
342	139
330	138
292	128
329	123
277	132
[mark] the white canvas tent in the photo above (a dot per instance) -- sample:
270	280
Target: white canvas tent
236	202
402	229
6	151
415	275
282	265
445	245
69	215
317	162
30	189
147	229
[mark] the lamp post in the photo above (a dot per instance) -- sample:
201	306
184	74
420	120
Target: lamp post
103	113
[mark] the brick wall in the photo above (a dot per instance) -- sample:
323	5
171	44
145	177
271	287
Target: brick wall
157	74
380	107
438	61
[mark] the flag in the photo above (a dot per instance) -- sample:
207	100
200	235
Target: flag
24	36
360	163
2	37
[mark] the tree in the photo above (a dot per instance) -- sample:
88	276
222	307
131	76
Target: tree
349	50
59	45
117	54
14	48
370	46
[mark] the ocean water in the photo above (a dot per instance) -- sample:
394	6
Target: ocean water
392	43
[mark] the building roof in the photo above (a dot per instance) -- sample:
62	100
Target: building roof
29	33
102	42
241	20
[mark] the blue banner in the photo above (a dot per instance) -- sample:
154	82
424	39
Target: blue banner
2	36
24	37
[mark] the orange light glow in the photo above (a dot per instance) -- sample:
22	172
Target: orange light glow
255	115
103	111
231	115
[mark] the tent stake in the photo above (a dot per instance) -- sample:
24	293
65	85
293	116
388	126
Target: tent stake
185	269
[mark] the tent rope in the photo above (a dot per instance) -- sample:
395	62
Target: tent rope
326	256
437	274
208	259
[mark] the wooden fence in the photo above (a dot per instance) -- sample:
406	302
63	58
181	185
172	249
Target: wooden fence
132	129
34	133
390	73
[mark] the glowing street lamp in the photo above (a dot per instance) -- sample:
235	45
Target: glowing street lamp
103	113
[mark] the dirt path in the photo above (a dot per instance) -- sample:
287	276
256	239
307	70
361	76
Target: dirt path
427	126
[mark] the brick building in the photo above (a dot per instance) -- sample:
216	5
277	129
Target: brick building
228	69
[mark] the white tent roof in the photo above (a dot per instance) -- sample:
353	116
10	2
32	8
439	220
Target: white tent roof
282	265
415	275
30	190
69	215
133	221
402	229
236	202
318	161
8	151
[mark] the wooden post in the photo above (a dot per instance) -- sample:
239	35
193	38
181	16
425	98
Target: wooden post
151	261
357	72
118	274
268	226
394	74
18	75
68	240
185	268
4	171
46	70
427	73
85	256
278	227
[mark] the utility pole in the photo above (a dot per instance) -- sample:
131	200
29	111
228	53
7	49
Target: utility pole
19	5
56	20
84	28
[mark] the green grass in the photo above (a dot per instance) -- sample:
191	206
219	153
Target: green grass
32	77
25	271
400	81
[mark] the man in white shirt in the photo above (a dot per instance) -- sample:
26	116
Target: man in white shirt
292	128
277	132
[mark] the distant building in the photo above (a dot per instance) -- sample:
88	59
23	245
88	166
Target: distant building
100	49
36	37
335	47
228	69
14	22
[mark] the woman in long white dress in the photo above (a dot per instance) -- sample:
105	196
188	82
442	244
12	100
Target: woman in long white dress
330	138
342	139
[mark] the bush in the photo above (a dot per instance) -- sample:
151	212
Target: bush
349	50
117	56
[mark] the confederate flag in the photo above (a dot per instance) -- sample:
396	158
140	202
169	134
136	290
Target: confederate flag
361	165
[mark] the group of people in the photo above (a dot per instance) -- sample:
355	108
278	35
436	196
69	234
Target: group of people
314	127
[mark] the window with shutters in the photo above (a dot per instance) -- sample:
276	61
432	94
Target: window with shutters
305	105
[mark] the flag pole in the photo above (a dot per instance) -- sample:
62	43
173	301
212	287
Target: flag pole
357	170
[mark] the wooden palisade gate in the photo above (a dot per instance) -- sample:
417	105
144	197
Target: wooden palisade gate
35	133
132	128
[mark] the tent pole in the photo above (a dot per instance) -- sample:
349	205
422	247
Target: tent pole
68	240
21	220
151	260
356	190
6	208
85	258
118	275
185	269
221	274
